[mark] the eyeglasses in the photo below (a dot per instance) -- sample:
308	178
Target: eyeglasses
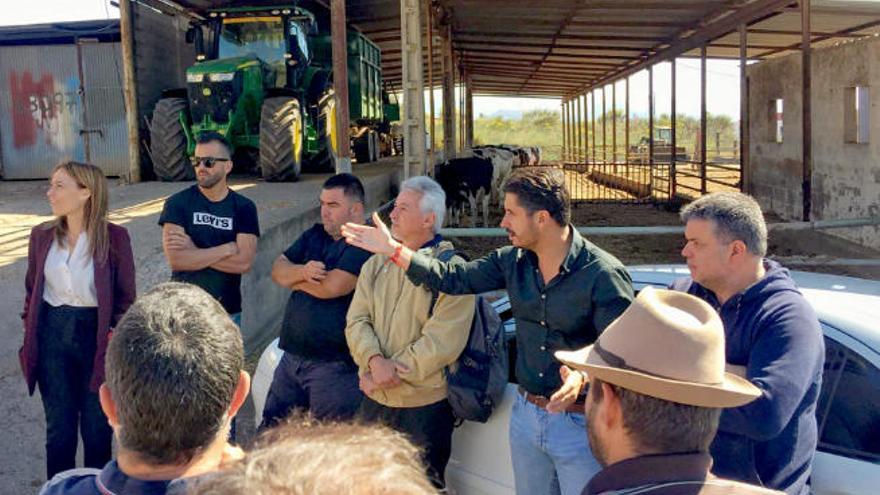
207	161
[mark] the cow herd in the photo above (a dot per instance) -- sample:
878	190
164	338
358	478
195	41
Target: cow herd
476	178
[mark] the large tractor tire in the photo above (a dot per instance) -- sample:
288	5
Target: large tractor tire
328	152
168	141
281	139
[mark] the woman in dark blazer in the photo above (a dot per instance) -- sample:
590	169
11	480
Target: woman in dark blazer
80	281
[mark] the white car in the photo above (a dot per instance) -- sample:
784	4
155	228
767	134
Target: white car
848	458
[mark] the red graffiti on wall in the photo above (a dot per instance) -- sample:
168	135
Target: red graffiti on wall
36	106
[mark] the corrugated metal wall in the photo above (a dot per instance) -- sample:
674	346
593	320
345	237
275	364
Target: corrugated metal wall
106	133
40	109
44	118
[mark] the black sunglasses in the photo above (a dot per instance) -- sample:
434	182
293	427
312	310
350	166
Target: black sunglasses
207	161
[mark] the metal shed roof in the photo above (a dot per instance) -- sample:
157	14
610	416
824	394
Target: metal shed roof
59	32
563	47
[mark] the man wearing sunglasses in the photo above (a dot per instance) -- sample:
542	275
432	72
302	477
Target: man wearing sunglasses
209	232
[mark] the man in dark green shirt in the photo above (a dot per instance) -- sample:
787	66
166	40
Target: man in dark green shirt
563	292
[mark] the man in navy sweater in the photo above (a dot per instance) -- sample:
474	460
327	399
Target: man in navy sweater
772	337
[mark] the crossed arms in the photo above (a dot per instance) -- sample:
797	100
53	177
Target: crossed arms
183	255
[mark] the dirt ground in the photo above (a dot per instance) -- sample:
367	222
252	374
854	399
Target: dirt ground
137	207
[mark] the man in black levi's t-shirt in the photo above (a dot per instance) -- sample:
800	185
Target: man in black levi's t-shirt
316	372
209	232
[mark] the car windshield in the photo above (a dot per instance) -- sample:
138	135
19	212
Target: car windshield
262	37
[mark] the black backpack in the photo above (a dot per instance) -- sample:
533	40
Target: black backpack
476	381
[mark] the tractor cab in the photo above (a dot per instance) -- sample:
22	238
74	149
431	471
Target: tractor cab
662	135
248	53
277	38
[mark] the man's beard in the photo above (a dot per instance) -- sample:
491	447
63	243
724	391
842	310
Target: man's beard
596	445
209	181
333	230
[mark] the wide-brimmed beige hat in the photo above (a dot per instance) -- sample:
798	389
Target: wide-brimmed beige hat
668	345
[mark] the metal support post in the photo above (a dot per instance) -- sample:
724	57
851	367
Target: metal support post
577	129
703	119
339	39
593	123
672	155
806	104
469	111
429	32
651	130
564	131
745	172
129	90
604	128
413	88
586	130
626	129
614	125
448	93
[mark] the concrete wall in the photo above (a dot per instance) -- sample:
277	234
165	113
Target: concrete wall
263	302
846	176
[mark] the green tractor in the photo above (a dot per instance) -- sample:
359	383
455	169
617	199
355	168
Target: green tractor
263	79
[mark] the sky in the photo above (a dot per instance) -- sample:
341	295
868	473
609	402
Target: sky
722	92
43	11
722	85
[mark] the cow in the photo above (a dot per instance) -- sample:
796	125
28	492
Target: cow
502	164
466	181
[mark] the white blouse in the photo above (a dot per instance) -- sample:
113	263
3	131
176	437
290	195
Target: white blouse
70	277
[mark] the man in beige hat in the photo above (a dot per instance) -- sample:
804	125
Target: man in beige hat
657	387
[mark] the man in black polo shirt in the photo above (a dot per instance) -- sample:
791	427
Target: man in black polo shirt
563	292
316	372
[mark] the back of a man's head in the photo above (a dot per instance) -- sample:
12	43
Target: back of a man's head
304	457
658	426
173	365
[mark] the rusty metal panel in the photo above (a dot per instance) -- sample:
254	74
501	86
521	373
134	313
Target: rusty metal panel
104	131
40	109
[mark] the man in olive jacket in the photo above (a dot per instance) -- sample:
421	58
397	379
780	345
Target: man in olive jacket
401	336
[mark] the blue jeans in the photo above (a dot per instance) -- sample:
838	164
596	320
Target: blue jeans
550	452
327	389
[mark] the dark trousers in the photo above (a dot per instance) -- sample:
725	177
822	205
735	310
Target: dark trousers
326	389
66	357
428	427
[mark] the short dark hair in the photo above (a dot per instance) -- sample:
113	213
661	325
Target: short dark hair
541	188
351	186
213	136
661	426
173	365
736	217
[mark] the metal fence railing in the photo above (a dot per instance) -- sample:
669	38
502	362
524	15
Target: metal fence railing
634	178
